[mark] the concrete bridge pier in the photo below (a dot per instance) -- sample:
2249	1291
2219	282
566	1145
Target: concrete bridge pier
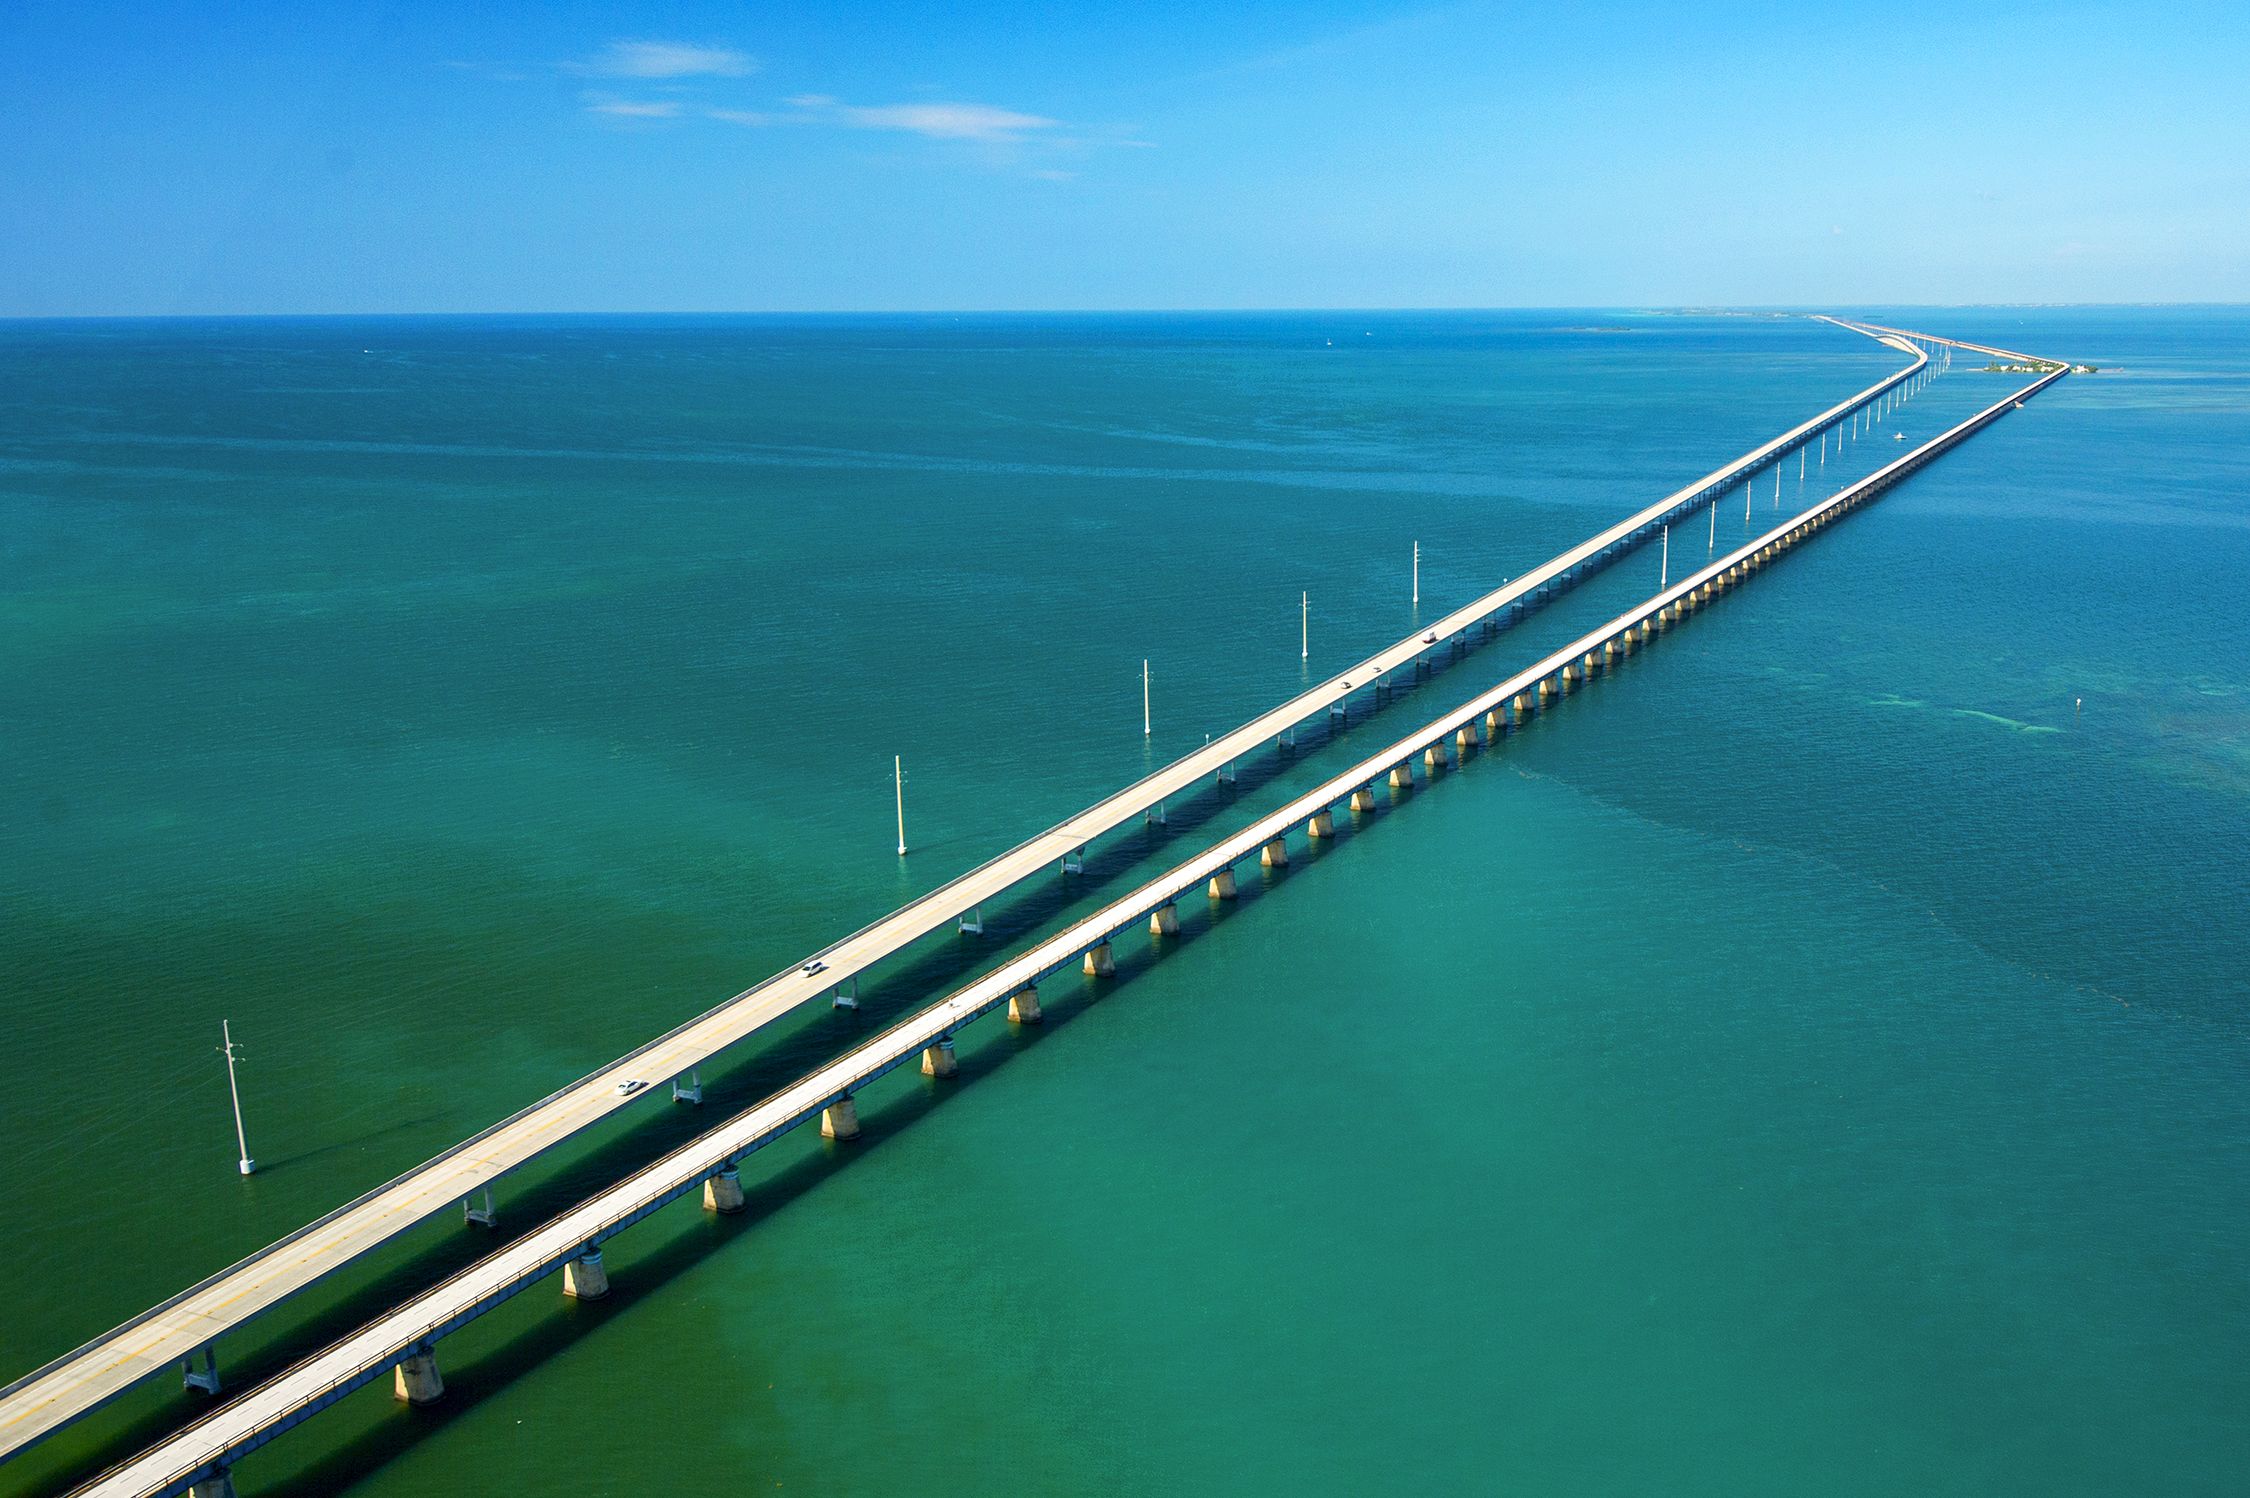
584	1277
1275	854
1433	758
840	1119
723	1192
1402	777
1164	920
1023	1004
1100	961
416	1379
1222	885
1496	722
205	1378
1546	690
1323	824
216	1483
1363	799
1465	739
937	1060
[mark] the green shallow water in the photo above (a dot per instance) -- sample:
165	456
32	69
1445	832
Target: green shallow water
1811	1059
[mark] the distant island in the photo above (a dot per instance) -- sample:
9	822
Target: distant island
2037	367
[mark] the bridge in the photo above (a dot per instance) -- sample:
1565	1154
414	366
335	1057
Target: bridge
173	1333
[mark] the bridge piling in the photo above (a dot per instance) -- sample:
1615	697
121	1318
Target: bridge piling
723	1192
938	1061
1275	854
1023	1004
216	1483
840	1119
1221	886
1164	920
416	1380
585	1277
1100	961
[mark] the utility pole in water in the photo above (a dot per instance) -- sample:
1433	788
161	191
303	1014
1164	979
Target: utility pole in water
1664	575
241	1140
1144	700
1417	572
898	789
1304	626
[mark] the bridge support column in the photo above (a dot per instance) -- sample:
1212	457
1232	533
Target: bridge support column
585	1277
1164	920
1275	854
1099	963
1363	799
1402	777
1433	758
723	1192
1546	689
840	1119
937	1060
1323	824
1496	722
1465	739
1023	1006
416	1379
205	1378
1222	885
217	1483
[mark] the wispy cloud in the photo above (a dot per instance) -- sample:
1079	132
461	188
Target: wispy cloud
937	120
946	121
635	109
651	59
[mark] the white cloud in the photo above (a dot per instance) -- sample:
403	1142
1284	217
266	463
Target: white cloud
945	121
635	109
629	59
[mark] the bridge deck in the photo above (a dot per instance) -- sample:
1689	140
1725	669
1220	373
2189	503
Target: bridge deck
161	1339
232	1431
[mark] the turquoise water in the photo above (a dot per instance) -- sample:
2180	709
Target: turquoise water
1810	1061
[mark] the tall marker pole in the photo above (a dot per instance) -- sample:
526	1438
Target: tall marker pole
1664	574
1417	572
1144	700
1304	626
898	788
1714	546
241	1140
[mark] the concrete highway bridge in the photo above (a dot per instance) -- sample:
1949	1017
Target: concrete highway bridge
400	1343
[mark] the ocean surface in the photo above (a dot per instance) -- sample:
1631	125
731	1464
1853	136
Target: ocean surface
1813	1060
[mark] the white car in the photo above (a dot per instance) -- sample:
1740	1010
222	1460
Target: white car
630	1086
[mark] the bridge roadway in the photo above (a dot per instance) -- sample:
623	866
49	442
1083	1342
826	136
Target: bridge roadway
172	1334
205	1450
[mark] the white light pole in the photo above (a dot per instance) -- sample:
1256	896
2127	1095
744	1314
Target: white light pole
241	1140
1304	626
1144	700
898	789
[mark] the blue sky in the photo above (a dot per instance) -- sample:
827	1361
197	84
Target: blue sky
340	157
